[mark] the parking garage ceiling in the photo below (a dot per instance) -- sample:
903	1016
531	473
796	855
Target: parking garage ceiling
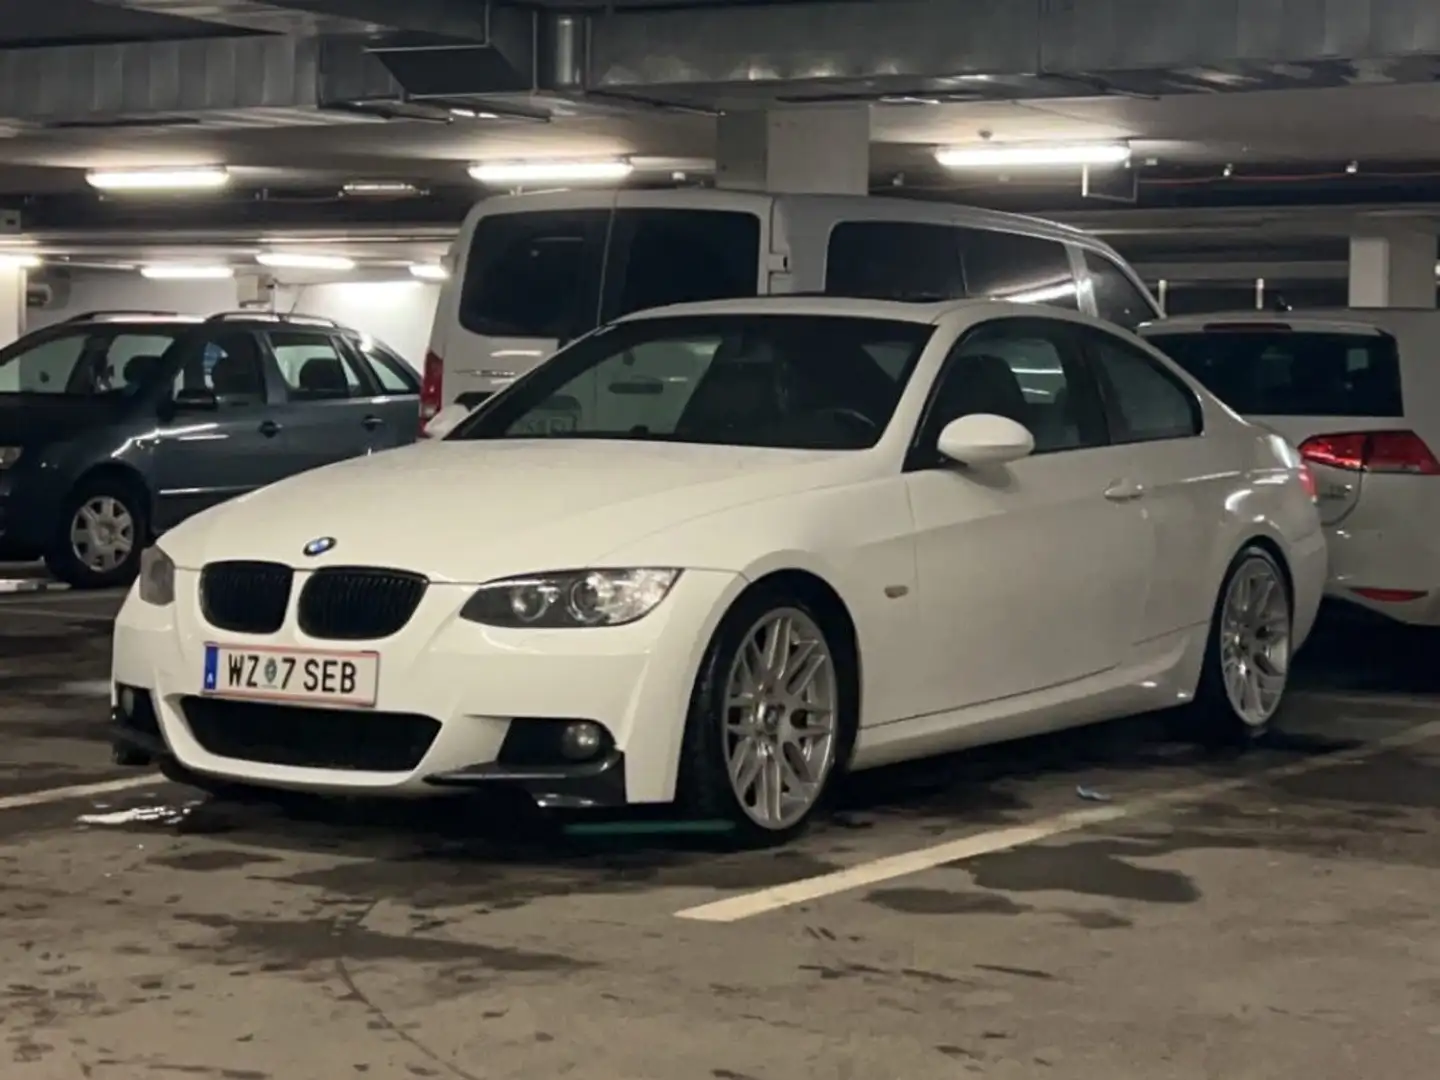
1250	102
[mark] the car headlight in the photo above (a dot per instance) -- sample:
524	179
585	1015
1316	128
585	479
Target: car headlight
570	598
9	455
157	577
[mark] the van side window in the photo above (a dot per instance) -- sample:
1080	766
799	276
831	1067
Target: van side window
890	260
1025	269
660	257
1116	297
534	274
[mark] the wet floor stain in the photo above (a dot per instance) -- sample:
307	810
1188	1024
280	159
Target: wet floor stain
298	944
1090	867
945	902
213	859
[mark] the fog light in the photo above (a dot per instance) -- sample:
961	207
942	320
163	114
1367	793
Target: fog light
127	701
582	739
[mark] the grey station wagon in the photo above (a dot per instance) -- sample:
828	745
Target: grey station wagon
115	426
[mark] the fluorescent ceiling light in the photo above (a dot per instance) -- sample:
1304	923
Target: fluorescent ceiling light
1039	296
10	261
472	114
184	272
429	271
202	179
299	260
1023	155
529	172
380	187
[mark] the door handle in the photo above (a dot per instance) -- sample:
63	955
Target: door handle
372	422
1124	491
269	429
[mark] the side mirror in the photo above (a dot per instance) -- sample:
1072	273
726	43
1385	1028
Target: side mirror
985	439
195	401
445	421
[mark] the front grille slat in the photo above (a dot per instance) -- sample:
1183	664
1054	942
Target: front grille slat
352	603
245	597
359	740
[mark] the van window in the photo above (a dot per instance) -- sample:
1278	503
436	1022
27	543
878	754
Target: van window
1116	297
893	260
1265	372
660	257
1025	269
534	274
898	260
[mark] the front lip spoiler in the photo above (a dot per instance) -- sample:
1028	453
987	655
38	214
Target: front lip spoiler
590	785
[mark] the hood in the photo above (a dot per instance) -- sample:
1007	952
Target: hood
44	419
473	511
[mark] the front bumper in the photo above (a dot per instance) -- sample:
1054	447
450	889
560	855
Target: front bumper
451	694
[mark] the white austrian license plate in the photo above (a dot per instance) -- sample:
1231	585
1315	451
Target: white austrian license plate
295	675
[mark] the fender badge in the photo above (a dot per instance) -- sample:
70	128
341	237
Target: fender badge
319	545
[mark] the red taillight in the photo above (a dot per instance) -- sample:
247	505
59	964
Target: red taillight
432	386
1372	451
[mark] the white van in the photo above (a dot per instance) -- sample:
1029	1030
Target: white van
531	272
1357	391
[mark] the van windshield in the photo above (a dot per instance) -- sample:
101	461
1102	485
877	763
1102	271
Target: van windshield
91	361
541	273
1281	372
803	382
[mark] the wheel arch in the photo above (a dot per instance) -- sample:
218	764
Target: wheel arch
124	475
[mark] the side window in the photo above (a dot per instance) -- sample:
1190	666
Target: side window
135	360
1145	402
677	256
391	373
43	369
886	260
1025	269
313	368
1116	297
1026	370
227	365
534	274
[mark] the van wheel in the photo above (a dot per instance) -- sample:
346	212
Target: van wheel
1247	659
103	527
772	719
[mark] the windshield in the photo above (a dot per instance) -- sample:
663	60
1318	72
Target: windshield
1281	372
91	361
798	382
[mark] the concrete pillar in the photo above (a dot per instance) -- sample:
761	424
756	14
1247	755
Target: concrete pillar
816	149
1395	270
12	304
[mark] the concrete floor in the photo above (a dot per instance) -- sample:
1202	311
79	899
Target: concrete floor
1267	917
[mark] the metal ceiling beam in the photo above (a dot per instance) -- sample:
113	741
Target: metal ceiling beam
1134	46
451	17
144	81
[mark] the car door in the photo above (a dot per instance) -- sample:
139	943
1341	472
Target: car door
393	418
207	451
1028	572
1156	420
327	414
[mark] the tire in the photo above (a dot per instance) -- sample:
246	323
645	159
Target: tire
705	789
116	505
1216	718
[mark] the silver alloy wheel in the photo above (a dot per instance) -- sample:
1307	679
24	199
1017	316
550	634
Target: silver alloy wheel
1255	641
781	710
102	533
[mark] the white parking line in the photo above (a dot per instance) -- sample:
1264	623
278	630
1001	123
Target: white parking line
747	905
78	791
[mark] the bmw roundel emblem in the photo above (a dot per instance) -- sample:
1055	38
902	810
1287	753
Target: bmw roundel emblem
320	545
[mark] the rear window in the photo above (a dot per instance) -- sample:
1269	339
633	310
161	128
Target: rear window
540	273
1292	373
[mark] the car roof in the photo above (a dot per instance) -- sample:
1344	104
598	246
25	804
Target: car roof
1342	322
927	311
180	319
